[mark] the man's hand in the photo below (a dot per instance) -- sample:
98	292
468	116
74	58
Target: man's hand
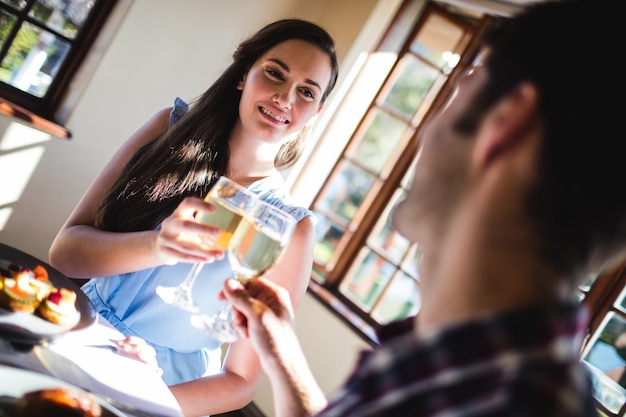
263	314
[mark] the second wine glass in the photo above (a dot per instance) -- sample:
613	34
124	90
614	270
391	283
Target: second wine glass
256	247
231	202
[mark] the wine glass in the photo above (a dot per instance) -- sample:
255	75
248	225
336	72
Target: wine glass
231	201
256	247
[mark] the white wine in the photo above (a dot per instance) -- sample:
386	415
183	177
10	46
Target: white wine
231	201
254	250
224	217
255	247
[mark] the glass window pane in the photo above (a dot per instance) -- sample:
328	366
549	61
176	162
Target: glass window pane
384	238
412	260
620	303
64	16
407	179
437	41
328	235
6	24
379	141
401	299
25	41
606	359
345	192
367	279
18	4
412	81
34	59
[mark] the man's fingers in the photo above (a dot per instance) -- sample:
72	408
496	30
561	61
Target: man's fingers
240	323
237	294
242	305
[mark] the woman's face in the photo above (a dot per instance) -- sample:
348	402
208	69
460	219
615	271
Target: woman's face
282	91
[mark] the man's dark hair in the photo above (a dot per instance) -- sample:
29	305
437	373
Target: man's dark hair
569	50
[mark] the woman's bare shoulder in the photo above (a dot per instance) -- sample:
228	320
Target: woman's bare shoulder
153	127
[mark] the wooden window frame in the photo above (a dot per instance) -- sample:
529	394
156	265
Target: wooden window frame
41	112
326	287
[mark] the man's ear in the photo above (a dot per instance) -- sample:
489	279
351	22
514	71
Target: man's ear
505	126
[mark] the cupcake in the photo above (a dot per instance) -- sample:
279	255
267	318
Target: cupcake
17	293
59	307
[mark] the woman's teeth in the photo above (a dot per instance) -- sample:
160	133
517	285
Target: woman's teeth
273	116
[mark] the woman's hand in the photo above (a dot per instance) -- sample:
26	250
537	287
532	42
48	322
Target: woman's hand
138	349
182	239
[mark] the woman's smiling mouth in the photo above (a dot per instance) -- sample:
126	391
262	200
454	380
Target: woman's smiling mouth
273	115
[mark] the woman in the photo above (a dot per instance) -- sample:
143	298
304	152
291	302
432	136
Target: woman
127	228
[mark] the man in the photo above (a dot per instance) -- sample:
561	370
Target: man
517	194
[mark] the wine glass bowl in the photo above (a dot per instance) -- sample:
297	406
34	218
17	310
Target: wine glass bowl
231	201
258	243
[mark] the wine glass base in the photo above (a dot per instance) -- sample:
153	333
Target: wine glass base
180	299
215	327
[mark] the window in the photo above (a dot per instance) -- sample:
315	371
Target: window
359	261
42	44
605	350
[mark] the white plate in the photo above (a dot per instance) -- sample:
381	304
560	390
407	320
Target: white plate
31	323
29	328
16	382
129	383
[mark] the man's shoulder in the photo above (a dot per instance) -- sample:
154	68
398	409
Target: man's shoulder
395	328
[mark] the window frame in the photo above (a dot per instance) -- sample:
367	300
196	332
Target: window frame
42	112
326	288
601	300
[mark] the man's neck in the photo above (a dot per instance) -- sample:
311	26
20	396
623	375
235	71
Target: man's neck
486	263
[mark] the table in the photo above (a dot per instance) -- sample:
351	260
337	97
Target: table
121	380
79	358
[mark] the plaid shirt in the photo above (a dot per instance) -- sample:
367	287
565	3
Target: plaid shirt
523	364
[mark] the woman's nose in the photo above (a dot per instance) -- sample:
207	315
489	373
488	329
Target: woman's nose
283	98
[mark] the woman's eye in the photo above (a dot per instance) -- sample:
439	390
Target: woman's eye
275	73
307	93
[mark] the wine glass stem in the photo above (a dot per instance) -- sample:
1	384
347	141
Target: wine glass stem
187	283
224	311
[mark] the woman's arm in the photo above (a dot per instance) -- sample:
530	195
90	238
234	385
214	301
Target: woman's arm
242	373
82	250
